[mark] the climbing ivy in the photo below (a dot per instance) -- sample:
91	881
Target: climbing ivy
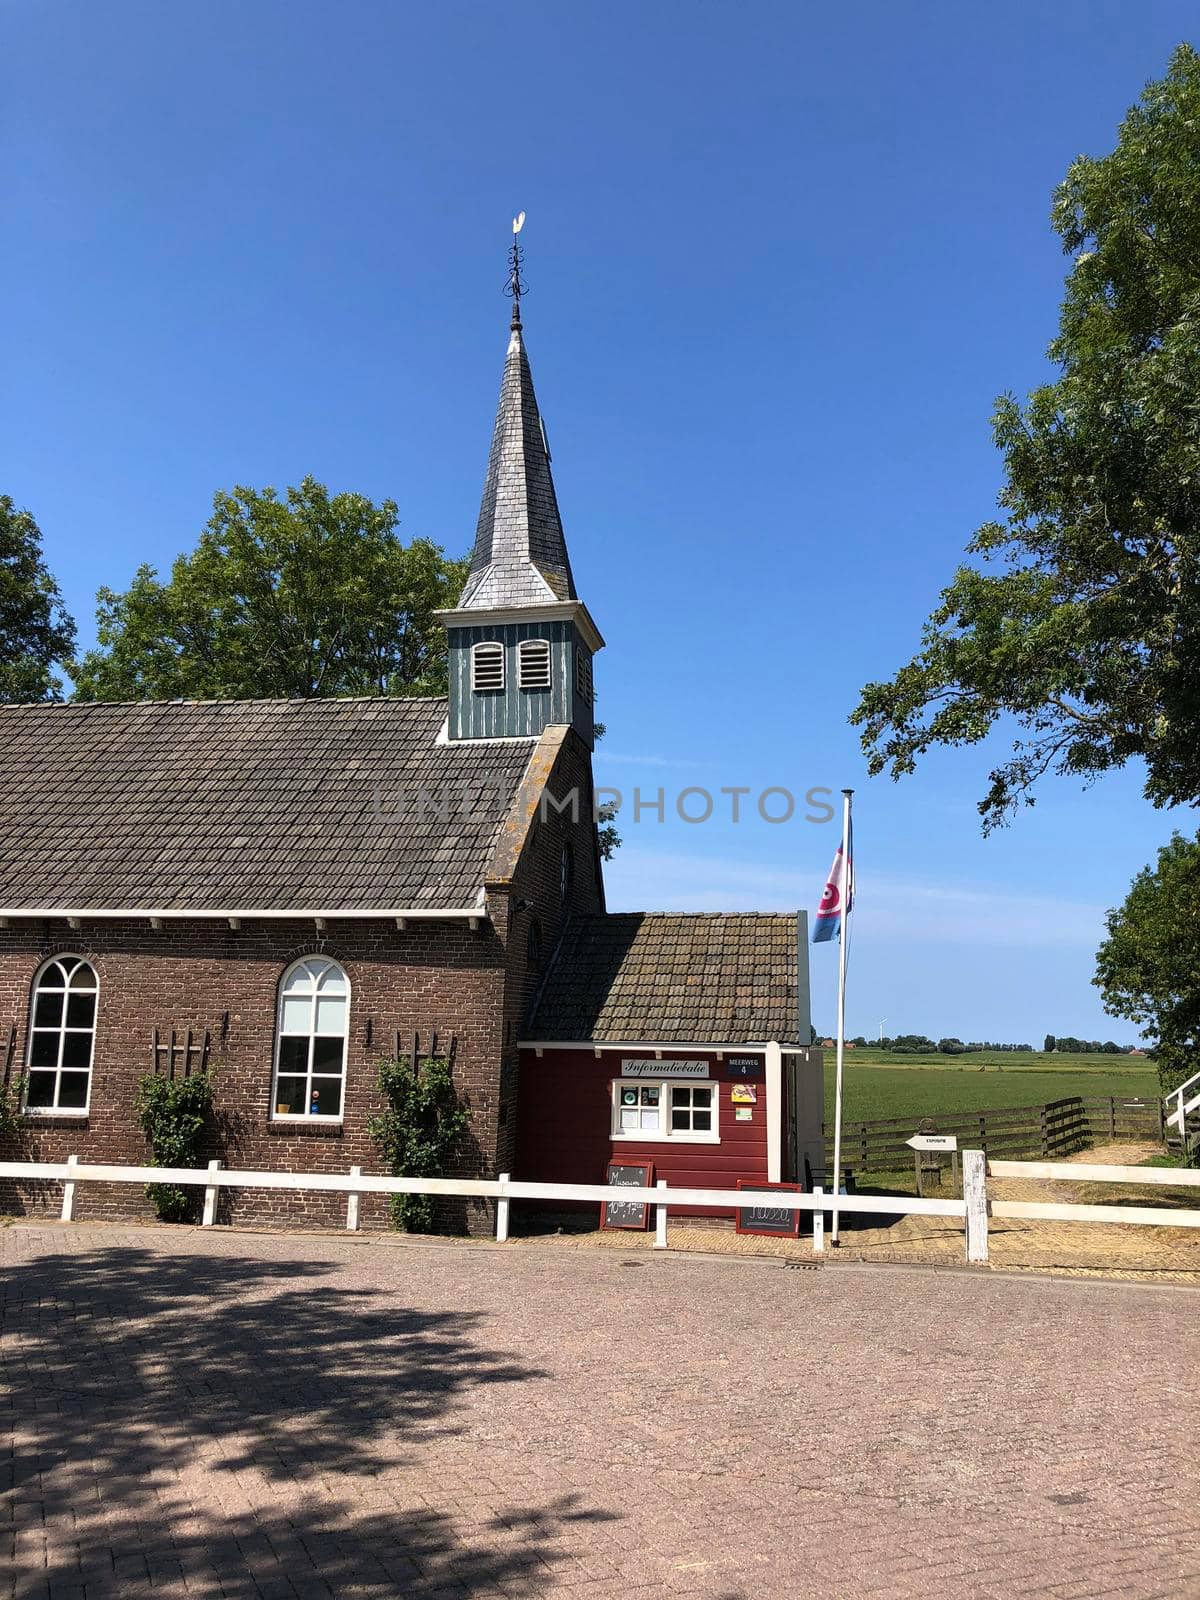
173	1113
11	1095
419	1130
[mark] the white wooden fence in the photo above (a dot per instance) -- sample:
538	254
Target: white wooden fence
974	1208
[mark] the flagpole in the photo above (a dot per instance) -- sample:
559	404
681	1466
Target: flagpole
843	940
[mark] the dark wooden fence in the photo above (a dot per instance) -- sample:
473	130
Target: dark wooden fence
1057	1129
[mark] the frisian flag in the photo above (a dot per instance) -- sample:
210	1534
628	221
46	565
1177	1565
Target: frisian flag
838	896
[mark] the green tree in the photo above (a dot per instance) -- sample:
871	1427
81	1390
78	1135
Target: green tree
35	630
1148	968
1049	1044
1086	627
307	596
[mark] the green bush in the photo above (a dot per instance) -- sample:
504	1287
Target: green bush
419	1130
11	1094
173	1114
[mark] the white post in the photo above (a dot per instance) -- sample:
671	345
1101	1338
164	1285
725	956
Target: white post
502	1206
68	1209
974	1171
660	1221
843	940
210	1196
818	1224
352	1204
774	1091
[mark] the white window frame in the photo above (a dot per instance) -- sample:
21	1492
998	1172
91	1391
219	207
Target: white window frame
534	662
62	1030
493	651
664	1085
306	1116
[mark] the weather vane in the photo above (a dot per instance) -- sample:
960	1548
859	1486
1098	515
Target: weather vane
516	258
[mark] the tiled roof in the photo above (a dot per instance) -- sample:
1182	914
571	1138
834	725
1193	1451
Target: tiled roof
254	804
659	977
520	555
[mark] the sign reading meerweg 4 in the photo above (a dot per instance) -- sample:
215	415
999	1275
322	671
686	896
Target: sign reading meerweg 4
627	1213
762	1216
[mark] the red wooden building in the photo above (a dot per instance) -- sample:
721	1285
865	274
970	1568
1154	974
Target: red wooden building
675	1040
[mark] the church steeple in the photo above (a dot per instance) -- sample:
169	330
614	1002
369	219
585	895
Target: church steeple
521	640
520	555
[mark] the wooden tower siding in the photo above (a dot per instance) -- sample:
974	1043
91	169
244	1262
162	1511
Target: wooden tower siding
513	712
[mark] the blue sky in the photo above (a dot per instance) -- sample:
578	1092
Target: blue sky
781	259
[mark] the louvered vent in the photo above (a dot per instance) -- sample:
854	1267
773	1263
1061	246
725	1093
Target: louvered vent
534	663
487	667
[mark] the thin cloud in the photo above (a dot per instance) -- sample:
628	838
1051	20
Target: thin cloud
889	906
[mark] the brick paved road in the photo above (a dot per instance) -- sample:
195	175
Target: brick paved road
234	1414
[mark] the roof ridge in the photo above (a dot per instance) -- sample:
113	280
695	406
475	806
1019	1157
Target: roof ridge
250	700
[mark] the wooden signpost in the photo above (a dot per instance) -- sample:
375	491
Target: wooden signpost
632	1214
762	1216
926	1144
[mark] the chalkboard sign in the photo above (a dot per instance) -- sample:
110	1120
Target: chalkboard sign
763	1217
627	1213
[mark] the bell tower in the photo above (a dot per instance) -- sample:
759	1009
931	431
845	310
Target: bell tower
521	642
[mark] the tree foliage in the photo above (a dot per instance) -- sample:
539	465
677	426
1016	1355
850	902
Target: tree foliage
173	1114
310	595
419	1130
1148	968
1083	621
35	631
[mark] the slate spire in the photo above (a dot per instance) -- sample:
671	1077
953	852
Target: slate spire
520	556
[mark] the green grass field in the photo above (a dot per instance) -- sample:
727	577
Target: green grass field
922	1086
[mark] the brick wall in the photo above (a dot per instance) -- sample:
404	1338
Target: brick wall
205	975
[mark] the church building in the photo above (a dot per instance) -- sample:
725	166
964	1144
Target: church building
281	892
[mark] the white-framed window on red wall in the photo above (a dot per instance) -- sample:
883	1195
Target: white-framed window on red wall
311	1040
62	1038
685	1113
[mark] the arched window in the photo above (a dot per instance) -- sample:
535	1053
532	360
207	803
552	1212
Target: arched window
533	663
487	666
310	1056
62	1036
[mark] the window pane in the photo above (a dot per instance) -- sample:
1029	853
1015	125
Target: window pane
327	1055
629	1120
326	1097
83	977
702	1121
81	1010
681	1095
44	1050
293	1055
331	1014
289	1097
680	1120
629	1097
299	981
700	1094
48	1011
333	981
41	1089
650	1095
650	1122
73	1089
297	1014
77	1050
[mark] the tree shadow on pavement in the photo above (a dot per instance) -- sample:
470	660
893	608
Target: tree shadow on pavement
185	1421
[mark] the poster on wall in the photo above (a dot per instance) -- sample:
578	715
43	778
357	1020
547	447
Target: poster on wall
628	1213
760	1216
